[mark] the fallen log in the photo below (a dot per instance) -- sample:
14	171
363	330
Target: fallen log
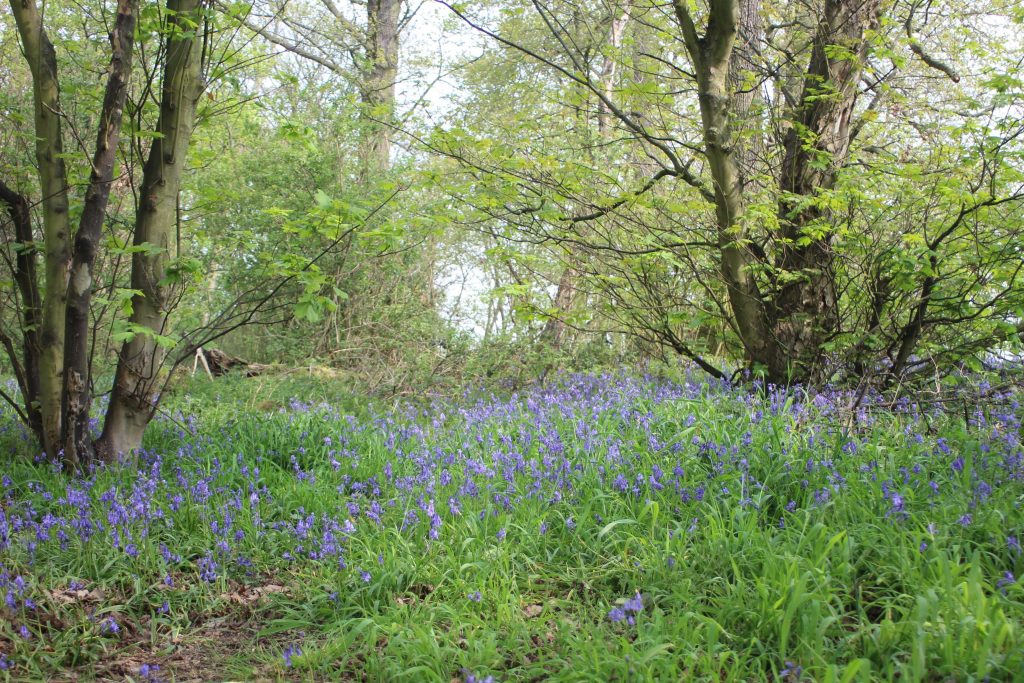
216	363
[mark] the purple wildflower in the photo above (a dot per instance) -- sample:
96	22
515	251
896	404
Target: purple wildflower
635	604
149	673
792	672
289	652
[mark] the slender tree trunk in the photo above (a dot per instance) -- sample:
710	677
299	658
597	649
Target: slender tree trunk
42	61
712	56
133	399
27	280
379	74
77	395
565	295
609	71
817	144
554	328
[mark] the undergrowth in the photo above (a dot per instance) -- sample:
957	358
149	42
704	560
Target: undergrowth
604	528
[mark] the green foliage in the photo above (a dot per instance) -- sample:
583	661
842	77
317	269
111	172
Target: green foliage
845	582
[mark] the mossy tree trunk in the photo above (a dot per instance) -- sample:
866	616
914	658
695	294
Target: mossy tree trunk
133	398
42	61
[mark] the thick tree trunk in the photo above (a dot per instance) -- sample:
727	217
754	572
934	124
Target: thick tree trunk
133	399
77	395
783	334
42	61
379	74
27	280
817	144
745	92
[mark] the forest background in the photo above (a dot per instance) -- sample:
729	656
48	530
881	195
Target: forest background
417	196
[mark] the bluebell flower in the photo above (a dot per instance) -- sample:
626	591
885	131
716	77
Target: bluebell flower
896	503
289	652
635	604
149	673
792	671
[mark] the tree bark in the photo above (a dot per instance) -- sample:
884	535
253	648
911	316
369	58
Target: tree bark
745	93
783	333
565	295
42	62
27	280
77	395
554	328
379	74
712	56
133	399
805	307
609	70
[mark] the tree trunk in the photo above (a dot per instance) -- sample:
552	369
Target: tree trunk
77	395
609	70
565	295
379	74
805	307
133	399
42	61
712	56
554	329
27	281
745	92
784	334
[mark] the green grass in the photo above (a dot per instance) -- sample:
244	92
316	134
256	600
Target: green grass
774	561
